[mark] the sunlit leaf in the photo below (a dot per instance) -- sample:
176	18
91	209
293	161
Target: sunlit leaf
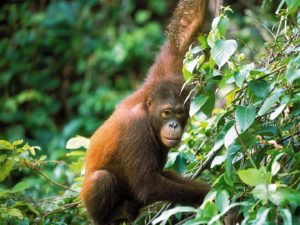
261	216
168	213
218	160
77	142
5	145
269	103
15	213
277	112
5	169
222	50
286	216
197	103
252	177
263	191
230	136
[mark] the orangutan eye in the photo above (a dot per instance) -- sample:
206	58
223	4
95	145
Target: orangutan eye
166	114
180	113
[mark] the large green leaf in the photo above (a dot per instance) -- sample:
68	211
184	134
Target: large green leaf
292	4
244	116
263	192
293	69
259	88
222	200
222	50
197	103
269	103
252	177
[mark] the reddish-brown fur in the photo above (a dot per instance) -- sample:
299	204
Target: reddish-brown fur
125	160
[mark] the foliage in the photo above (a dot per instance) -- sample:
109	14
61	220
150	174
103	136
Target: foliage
63	63
252	134
19	203
67	62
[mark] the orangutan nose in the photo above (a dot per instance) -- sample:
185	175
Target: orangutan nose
173	124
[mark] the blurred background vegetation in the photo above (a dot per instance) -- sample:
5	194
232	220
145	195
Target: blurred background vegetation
64	65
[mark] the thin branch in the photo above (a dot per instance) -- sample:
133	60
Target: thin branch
210	156
218	4
59	209
288	137
47	178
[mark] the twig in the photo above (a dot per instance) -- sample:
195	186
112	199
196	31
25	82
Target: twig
218	3
211	155
288	137
57	210
47	178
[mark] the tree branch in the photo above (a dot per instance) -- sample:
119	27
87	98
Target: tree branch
218	4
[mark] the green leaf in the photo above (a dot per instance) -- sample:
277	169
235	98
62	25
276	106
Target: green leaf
15	213
263	192
5	145
20	187
259	88
285	196
223	25
293	68
292	5
190	66
229	170
197	103
222	200
286	216
244	116
269	103
240	76
276	165
18	142
213	36
218	160
252	177
76	153
186	74
222	50
180	163
277	112
230	137
261	216
5	169
216	219
167	214
209	104
202	41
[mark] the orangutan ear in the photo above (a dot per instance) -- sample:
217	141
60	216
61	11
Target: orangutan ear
149	102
